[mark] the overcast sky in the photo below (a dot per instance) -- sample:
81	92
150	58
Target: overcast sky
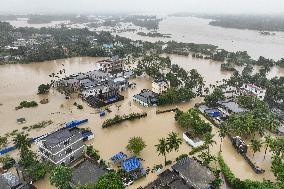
140	6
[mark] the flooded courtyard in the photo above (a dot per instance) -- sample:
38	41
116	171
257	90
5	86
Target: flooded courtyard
20	82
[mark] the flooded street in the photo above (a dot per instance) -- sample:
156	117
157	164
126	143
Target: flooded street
20	82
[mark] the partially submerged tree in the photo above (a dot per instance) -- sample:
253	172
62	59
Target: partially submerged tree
110	181
163	148
60	177
136	145
212	99
43	88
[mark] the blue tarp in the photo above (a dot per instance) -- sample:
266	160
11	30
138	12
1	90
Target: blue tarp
214	114
86	134
75	123
118	156
131	164
114	98
6	150
102	114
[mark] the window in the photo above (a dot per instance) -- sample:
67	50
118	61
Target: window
66	142
72	158
68	151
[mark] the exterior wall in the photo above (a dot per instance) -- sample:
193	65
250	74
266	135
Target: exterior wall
248	89
63	153
140	102
159	88
109	67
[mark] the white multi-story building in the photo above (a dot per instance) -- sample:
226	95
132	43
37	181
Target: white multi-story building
63	146
160	86
252	90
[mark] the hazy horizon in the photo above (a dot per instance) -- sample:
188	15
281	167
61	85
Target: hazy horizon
141	6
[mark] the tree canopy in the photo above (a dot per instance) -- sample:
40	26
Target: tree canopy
60	177
136	145
111	181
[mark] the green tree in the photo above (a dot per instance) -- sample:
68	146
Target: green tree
22	142
37	171
191	121
278	169
222	133
206	158
110	181
60	177
43	88
212	99
173	141
28	158
3	141
136	145
208	140
256	146
163	148
267	142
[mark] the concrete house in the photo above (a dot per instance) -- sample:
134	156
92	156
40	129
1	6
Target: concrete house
159	86
114	65
229	107
146	98
194	174
9	181
63	146
252	90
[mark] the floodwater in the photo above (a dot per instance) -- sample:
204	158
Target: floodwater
198	30
20	82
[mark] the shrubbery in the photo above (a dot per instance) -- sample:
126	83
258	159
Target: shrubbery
119	119
236	183
93	153
43	89
27	104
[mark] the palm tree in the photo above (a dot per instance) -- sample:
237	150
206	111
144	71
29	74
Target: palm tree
267	142
256	146
206	158
22	142
162	148
222	133
173	141
208	140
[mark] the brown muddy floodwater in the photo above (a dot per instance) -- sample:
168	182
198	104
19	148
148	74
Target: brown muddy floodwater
20	82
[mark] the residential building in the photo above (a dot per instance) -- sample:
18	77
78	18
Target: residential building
86	172
146	98
69	84
98	75
187	173
100	91
193	173
9	181
120	82
114	65
160	86
63	146
229	107
252	90
167	180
